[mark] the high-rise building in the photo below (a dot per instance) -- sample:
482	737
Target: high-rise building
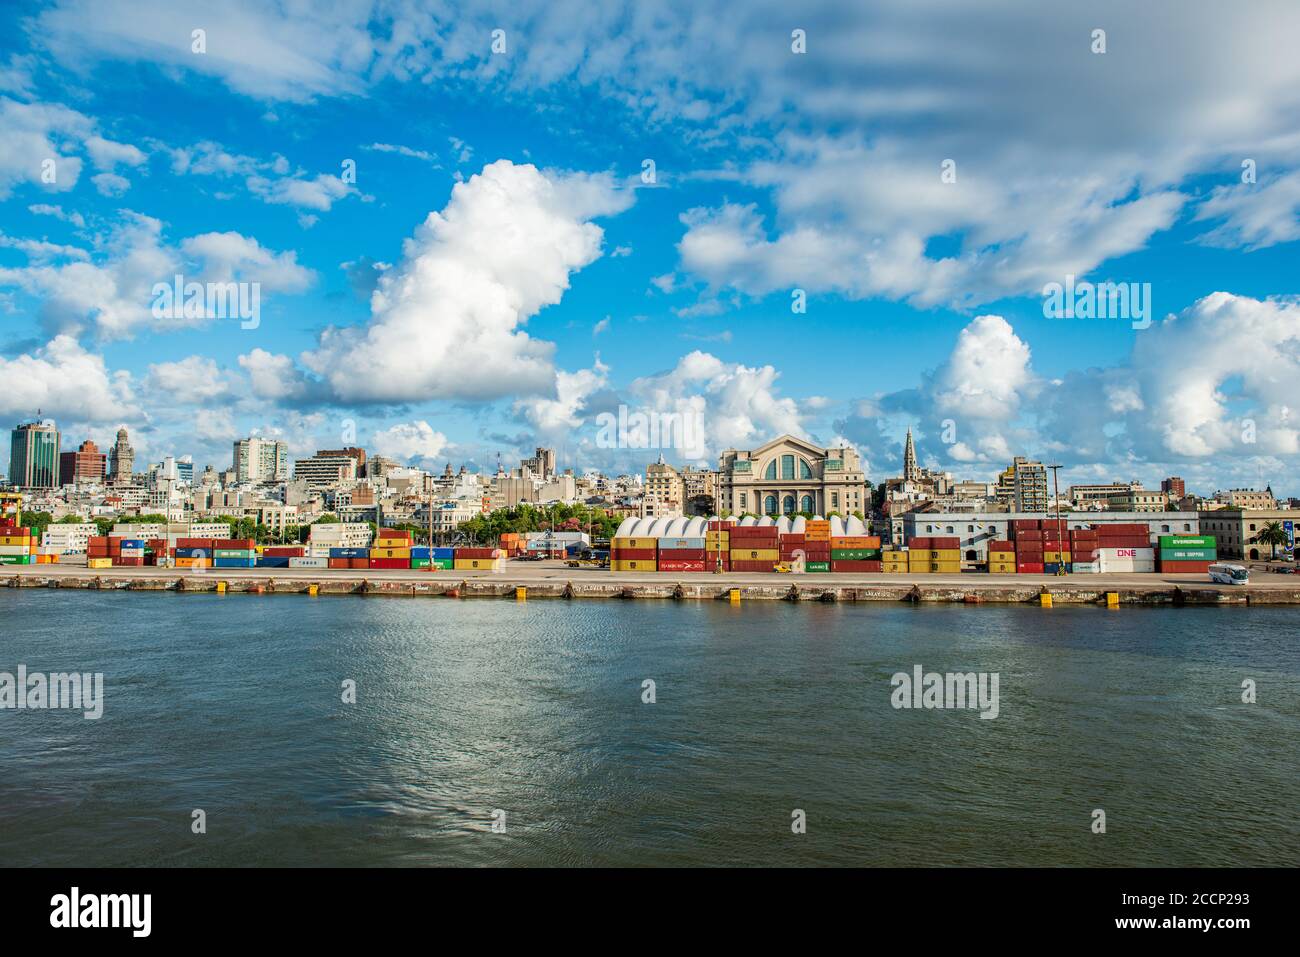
121	460
542	464
34	455
325	469
358	455
1174	487
87	464
1022	486
185	470
261	460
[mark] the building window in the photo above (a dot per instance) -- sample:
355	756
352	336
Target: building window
742	500
769	505
835	499
787	466
787	505
805	470
770	471
806	504
1164	528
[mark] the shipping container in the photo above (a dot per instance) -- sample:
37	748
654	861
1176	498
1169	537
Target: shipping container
219	562
678	555
894	568
1188	541
751	565
1002	558
817	567
1029	568
633	554
403	553
631	565
855	542
770	555
681	565
629	542
389	563
304	562
1002	568
273	561
849	565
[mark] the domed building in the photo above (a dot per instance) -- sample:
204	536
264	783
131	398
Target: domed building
789	475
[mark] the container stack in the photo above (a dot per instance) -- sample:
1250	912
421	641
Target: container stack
1028	540
631	553
234	553
391	549
129	552
934	555
479	559
894	561
817	545
717	545
349	558
1124	547
1181	554
1084	546
856	553
512	544
193	552
681	554
1056	546
755	548
434	558
15	543
1002	557
279	556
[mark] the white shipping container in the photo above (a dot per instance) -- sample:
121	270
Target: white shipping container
1138	554
1127	565
309	563
14	550
1086	568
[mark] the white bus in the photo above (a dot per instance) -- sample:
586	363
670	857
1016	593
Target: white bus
1226	574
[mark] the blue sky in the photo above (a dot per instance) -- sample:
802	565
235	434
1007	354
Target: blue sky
553	283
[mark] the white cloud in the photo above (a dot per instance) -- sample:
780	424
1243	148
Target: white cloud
1254	215
37	138
410	442
63	379
108	155
45	209
193	380
402	151
445	322
273	377
110	184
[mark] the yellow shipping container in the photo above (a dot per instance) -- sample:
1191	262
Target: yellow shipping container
390	552
756	554
1056	556
1002	557
629	542
714	539
633	565
1002	568
477	564
894	568
15	540
945	555
99	563
893	555
945	568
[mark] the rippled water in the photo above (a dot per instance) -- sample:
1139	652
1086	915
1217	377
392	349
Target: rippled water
232	704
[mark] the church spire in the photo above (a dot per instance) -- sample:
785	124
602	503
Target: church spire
910	471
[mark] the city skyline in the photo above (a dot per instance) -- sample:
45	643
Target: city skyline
731	231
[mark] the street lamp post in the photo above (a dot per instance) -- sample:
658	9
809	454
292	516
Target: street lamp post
1060	535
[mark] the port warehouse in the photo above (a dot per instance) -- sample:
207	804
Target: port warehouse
1027	545
1081	542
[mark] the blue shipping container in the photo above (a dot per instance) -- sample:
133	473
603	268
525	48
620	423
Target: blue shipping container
234	563
273	561
442	553
420	551
132	542
349	553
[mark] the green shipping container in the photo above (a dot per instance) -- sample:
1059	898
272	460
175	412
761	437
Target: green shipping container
817	566
1187	541
234	553
419	563
1187	555
855	554
15	559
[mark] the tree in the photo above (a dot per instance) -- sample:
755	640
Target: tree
1273	535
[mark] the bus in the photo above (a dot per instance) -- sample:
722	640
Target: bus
1226	574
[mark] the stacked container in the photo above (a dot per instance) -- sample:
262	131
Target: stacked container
894	561
15	544
349	558
435	558
1187	553
717	545
754	548
934	555
391	549
1002	557
856	553
631	553
681	554
193	552
817	545
129	552
478	559
234	553
1028	539
280	556
1084	546
1056	545
511	544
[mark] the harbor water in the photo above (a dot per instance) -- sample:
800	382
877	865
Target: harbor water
498	733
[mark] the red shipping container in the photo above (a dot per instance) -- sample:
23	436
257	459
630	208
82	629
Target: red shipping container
357	562
195	542
857	566
119	560
945	542
390	563
337	562
1024	523
482	553
919	543
1029	535
615	554
676	555
751	566
244	543
1001	545
1182	568
1029	568
672	565
794	539
285	551
721	526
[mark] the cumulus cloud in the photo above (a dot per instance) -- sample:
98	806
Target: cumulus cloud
446	321
410	442
28	150
189	381
63	379
1254	215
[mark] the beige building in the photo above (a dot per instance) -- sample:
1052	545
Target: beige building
1237	528
664	489
789	475
1138	500
1247	498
